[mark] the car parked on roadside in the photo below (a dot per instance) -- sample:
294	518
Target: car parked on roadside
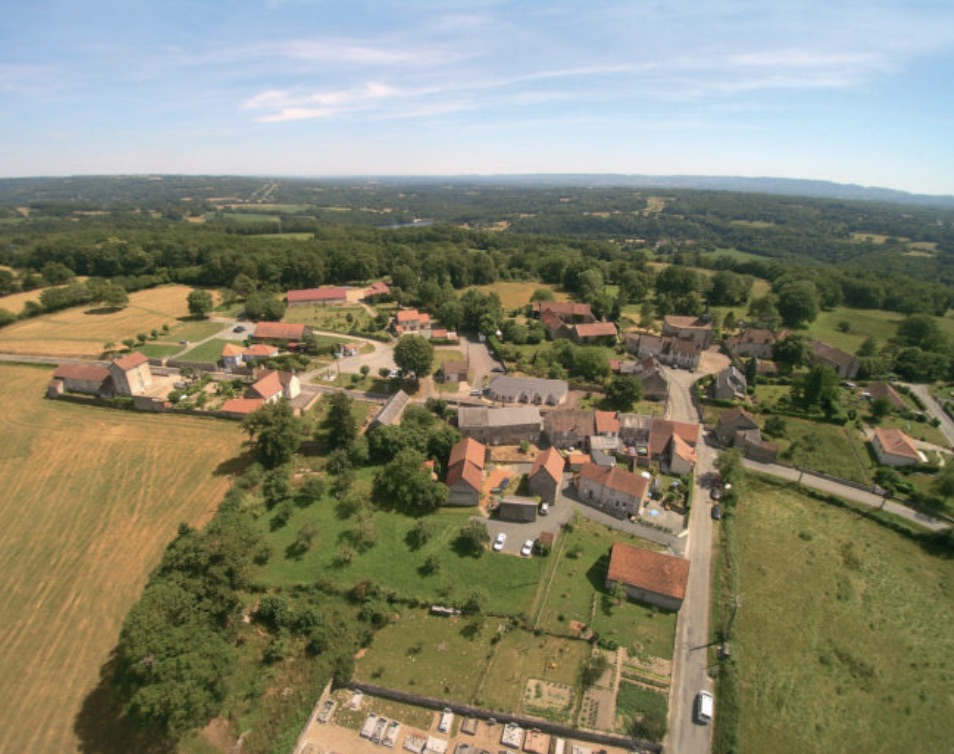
716	512
500	541
715	493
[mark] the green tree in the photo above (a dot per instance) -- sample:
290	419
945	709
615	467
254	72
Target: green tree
798	303
943	484
113	296
274	432
624	391
764	313
414	354
406	485
340	422
729	323
818	389
752	371
474	537
200	304
791	352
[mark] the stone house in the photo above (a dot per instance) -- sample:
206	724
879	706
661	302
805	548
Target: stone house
733	421
454	371
696	329
411	321
87	379
756	341
131	374
611	489
730	384
604	333
391	411
518	509
894	448
569	428
465	473
546	475
649	576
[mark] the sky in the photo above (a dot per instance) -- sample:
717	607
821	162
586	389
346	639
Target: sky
853	91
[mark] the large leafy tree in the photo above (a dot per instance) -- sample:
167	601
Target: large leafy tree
624	391
200	303
798	303
275	433
340	422
406	485
414	354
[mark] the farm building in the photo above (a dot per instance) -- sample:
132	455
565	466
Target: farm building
454	371
649	576
843	363
566	310
391	411
500	426
277	332
517	509
533	390
594	332
465	473
318	296
546	475
894	448
649	373
239	408
373	291
882	390
611	490
131	374
87	379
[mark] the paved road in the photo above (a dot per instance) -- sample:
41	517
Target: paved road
934	409
831	487
690	654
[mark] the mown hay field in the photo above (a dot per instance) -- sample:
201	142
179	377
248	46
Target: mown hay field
82	331
843	638
92	497
514	294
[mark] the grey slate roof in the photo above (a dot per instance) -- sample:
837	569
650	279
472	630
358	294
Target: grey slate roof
481	416
528	390
392	410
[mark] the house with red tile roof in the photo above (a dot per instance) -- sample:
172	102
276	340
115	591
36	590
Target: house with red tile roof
277	332
232	356
409	321
674	445
594	332
268	388
611	489
648	576
326	296
376	289
568	311
894	448
546	475
755	341
131	374
465	473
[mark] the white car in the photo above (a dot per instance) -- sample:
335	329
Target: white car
527	548
499	542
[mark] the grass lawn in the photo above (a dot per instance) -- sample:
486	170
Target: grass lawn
638	703
510	583
843	642
864	323
331	318
823	447
210	351
159	350
577	593
91	499
520	656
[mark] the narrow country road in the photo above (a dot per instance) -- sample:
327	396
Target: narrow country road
690	654
832	487
934	409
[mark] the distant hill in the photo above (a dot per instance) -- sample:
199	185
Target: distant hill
780	186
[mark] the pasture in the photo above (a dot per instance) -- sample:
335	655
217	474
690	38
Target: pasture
82	331
91	499
843	641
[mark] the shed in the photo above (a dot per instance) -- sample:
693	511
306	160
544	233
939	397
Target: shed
517	509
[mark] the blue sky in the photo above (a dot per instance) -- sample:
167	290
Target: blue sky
856	91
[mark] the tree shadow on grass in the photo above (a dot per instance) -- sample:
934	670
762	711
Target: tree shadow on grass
235	466
102	729
103	310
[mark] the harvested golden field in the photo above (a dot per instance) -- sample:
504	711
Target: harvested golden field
518	293
81	332
16	301
91	498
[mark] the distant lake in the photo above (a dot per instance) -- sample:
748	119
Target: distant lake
415	224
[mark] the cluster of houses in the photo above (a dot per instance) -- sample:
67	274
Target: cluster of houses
680	345
760	342
576	322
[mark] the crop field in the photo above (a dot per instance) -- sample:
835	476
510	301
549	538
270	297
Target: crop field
81	332
91	499
515	294
844	639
